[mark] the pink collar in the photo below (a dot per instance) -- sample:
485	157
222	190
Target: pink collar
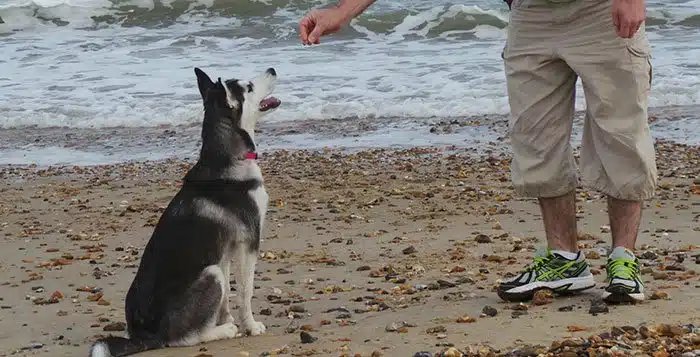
251	156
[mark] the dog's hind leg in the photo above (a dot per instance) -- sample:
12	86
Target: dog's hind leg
194	318
245	261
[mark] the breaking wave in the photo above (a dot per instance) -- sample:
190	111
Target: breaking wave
263	16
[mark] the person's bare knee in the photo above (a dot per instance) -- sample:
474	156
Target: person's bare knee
559	216
625	218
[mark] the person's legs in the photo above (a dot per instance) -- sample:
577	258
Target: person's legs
541	93
617	153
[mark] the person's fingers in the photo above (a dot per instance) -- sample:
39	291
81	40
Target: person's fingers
305	26
317	32
624	29
634	26
629	29
633	29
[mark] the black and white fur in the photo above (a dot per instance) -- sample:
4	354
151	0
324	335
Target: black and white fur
179	296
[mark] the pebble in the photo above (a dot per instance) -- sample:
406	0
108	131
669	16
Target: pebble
436	329
527	351
659	295
592	254
115	326
598	306
516	314
409	250
675	267
482	238
489	311
451	352
465	319
33	346
660	275
446	284
543	297
670	330
306	337
648	255
297	308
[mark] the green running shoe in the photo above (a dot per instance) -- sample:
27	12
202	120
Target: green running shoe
549	270
624	277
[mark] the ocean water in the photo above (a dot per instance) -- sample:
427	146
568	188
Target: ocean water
97	64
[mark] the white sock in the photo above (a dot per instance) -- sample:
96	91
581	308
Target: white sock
621	252
565	254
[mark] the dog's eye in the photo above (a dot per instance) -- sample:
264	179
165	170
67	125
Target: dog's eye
250	87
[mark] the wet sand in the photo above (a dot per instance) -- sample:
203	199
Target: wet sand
377	252
483	134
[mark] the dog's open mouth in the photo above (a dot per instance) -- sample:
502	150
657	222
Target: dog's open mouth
269	103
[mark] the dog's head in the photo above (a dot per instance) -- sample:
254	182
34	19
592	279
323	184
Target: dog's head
243	102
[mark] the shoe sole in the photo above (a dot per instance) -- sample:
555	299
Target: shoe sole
614	295
560	287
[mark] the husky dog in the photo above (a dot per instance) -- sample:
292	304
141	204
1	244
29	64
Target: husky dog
179	296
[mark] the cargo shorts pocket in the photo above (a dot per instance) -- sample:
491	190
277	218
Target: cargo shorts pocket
639	50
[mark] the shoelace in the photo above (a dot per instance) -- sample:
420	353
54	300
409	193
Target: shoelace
622	268
538	263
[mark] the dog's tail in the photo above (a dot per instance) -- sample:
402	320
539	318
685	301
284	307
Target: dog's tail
120	346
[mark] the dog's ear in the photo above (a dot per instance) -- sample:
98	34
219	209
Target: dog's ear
203	82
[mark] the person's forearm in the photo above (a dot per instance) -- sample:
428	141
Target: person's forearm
354	7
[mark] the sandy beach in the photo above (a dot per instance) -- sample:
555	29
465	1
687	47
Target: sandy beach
391	243
372	253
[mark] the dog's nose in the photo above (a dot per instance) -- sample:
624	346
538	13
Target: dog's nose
271	71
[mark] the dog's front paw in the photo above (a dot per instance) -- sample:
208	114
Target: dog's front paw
221	332
231	330
255	328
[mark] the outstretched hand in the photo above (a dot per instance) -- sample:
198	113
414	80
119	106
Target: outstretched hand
321	22
628	16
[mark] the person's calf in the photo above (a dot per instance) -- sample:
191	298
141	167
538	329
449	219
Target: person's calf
559	217
625	217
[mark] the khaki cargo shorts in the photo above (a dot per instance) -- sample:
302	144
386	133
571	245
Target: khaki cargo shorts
549	46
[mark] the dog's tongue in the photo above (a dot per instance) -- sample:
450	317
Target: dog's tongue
269	103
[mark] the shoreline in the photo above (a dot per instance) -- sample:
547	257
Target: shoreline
379	251
483	134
